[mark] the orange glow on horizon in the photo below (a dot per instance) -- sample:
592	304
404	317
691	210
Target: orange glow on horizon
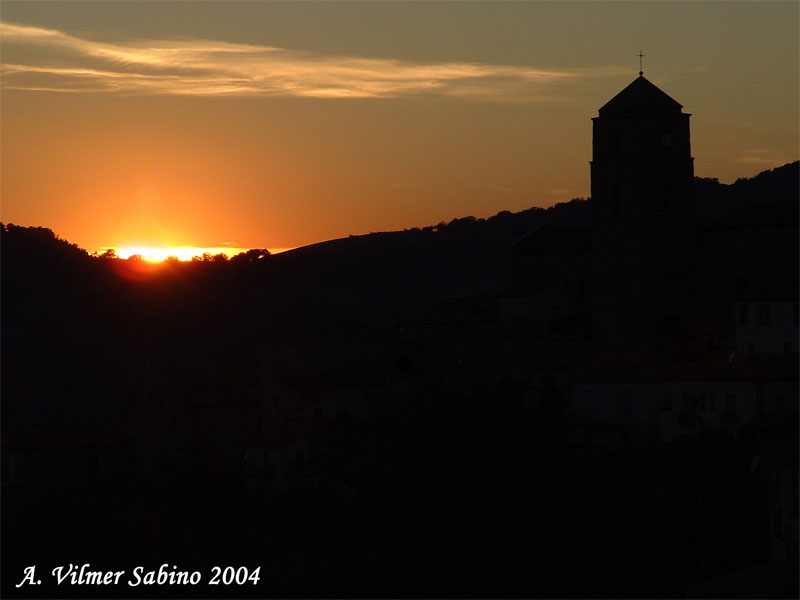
182	253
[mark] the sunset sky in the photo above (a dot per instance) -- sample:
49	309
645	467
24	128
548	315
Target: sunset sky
261	124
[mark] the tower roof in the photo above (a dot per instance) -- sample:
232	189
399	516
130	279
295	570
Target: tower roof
641	96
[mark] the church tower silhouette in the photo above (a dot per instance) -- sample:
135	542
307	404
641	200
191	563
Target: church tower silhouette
642	176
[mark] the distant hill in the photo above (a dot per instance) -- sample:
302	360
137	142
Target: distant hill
715	200
62	352
384	276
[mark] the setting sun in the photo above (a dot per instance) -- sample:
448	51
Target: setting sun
156	254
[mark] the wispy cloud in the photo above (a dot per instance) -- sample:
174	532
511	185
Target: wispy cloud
48	59
762	156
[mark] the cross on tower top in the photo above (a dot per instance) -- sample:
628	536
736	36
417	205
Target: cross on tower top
640	55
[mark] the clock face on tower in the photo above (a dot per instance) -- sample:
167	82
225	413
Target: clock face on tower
666	140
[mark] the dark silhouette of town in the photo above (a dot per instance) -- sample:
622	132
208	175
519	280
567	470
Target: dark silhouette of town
599	399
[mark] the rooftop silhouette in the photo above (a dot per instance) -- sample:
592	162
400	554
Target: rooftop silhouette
640	96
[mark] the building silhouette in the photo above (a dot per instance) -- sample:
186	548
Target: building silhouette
643	235
653	267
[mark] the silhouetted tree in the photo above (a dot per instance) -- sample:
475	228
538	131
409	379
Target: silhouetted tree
108	254
250	255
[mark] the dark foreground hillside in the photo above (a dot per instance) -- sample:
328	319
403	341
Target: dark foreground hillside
352	419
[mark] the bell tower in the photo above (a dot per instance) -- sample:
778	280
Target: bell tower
642	176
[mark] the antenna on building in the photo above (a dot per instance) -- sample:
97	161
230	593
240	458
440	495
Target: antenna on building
640	55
